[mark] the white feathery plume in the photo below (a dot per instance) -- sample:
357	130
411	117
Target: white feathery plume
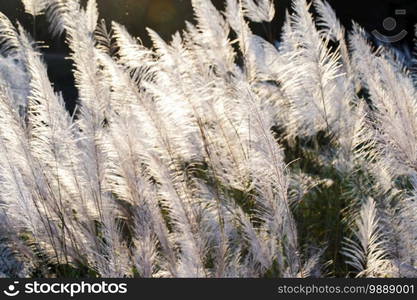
55	14
213	35
171	166
328	21
261	11
125	167
13	73
261	259
313	80
9	39
394	132
131	53
393	95
54	142
334	30
29	172
165	73
14	76
253	47
270	179
91	14
35	7
17	199
172	191
112	258
367	255
94	97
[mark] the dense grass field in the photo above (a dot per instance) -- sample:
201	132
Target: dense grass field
217	153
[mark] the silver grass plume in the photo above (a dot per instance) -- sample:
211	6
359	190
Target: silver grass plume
367	255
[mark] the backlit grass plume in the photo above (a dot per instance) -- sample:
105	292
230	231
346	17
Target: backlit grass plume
214	154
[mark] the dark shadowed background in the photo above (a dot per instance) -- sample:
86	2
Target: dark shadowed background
168	16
